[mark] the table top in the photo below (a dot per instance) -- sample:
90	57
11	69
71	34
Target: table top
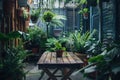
49	60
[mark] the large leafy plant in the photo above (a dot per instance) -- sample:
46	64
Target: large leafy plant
106	63
34	36
79	39
93	47
11	57
12	63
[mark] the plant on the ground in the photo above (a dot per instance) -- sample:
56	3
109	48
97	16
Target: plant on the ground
106	64
34	36
79	40
93	47
11	58
12	63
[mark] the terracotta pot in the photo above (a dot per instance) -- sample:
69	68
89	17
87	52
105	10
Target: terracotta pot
85	15
59	53
35	50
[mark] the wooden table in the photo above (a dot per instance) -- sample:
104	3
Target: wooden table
49	61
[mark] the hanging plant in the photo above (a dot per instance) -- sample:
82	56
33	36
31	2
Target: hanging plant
84	11
48	15
35	15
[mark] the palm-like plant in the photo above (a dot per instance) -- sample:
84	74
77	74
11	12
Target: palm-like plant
53	19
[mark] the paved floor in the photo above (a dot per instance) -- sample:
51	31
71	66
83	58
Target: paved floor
34	73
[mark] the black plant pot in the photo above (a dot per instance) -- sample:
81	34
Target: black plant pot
59	53
92	2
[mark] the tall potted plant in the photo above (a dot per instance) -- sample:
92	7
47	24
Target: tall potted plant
34	38
53	19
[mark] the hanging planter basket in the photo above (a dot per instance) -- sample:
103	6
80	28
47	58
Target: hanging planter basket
85	16
92	3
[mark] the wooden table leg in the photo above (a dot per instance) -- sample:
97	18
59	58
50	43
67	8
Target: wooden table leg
54	72
51	75
66	76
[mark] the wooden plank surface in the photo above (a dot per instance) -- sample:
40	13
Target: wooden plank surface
59	61
65	59
42	58
70	58
78	60
48	58
53	57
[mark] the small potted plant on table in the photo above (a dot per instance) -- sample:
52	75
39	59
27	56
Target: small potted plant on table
56	46
59	49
